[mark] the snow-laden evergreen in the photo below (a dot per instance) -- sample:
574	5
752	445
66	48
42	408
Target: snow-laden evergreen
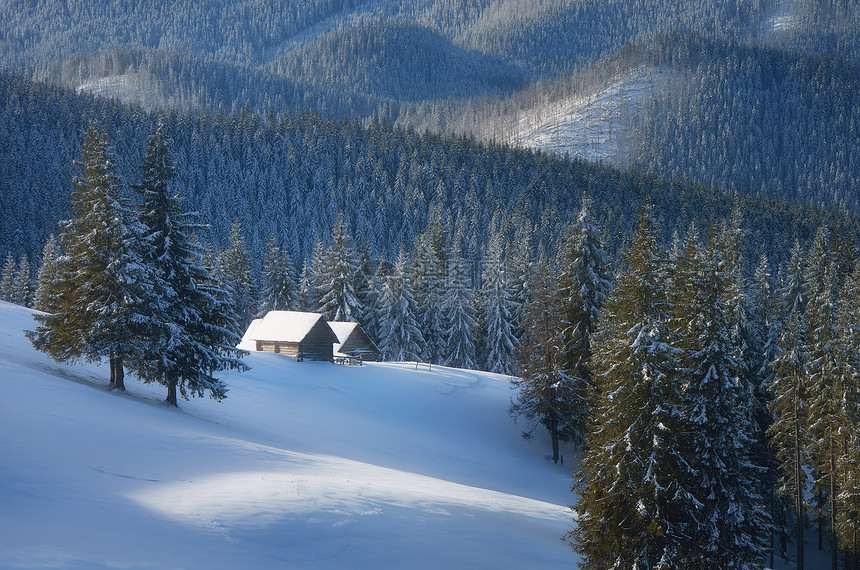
429	288
635	504
47	273
458	316
498	309
727	520
279	289
238	278
104	293
401	336
189	332
545	395
336	276
790	407
583	282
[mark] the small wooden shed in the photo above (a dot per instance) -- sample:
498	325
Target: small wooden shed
354	342
300	335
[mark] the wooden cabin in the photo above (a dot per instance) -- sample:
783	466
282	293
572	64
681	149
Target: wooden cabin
353	342
300	335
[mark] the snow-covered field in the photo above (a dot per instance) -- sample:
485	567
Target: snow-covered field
304	465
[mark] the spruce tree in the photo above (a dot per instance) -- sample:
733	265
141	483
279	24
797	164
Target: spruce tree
239	280
847	468
278	292
400	335
727	522
583	283
459	316
190	331
634	509
47	275
831	367
373	309
22	290
103	293
336	276
429	294
790	408
7	281
544	394
498	309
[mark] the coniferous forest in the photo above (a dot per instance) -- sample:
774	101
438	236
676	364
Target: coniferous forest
686	319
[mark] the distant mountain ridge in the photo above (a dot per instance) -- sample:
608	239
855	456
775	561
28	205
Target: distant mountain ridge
559	75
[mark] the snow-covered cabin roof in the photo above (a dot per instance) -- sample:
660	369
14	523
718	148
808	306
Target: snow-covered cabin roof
280	326
351	338
342	330
248	342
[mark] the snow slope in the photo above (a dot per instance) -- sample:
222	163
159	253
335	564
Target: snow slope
304	465
596	126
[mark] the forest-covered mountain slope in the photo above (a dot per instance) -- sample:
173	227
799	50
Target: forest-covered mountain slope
290	177
757	96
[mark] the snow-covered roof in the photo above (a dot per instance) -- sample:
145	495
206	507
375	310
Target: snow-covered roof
359	343
342	330
281	326
248	341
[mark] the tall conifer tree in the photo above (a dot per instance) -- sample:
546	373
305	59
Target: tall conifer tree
498	309
103	292
545	395
336	276
790	400
583	283
190	334
633	509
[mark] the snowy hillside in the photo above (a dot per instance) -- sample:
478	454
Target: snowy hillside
596	126
304	465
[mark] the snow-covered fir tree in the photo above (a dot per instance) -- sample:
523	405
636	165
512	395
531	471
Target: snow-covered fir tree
47	274
190	331
278	291
498	309
305	293
544	393
373	303
401	338
236	270
847	516
429	290
336	276
634	507
103	291
789	406
727	521
832	381
7	280
458	316
583	282
22	287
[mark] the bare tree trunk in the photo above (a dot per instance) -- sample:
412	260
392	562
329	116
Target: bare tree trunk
112	370
171	394
833	497
798	496
554	435
119	374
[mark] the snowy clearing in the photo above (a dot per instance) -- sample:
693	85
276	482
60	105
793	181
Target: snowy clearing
595	127
304	465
